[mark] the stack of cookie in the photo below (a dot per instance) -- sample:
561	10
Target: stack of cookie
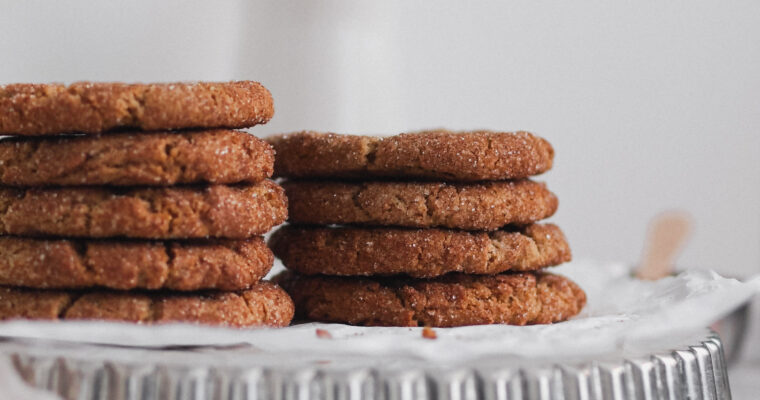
427	229
111	207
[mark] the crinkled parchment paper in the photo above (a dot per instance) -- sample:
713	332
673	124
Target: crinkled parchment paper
624	316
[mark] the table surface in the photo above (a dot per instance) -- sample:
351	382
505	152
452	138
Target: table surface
745	381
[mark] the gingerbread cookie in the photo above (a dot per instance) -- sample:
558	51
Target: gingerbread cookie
433	155
451	300
470	206
265	304
235	212
420	253
87	107
156	158
195	265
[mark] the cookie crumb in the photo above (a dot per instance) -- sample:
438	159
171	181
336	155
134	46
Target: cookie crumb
429	333
323	334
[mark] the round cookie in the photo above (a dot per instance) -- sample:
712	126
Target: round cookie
235	212
470	206
420	253
124	265
87	107
448	301
431	155
265	304
122	159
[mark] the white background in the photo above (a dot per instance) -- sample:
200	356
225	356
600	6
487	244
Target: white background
650	105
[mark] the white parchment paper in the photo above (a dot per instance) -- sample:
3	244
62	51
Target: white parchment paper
624	316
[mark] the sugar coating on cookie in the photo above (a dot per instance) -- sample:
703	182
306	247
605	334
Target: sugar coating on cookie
420	253
123	159
448	301
265	304
125	265
433	155
95	107
470	206
235	212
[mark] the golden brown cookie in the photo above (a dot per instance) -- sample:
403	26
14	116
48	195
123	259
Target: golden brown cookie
265	304
87	107
421	253
451	300
235	212
470	206
434	155
194	265
156	158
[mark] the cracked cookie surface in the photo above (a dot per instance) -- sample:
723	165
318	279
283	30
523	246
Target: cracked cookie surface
124	265
470	206
153	159
420	253
94	107
265	304
235	212
430	155
451	300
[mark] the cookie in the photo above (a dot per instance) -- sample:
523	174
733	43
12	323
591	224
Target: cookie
470	206
235	212
87	107
420	253
434	155
451	300
157	158
265	304
196	265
